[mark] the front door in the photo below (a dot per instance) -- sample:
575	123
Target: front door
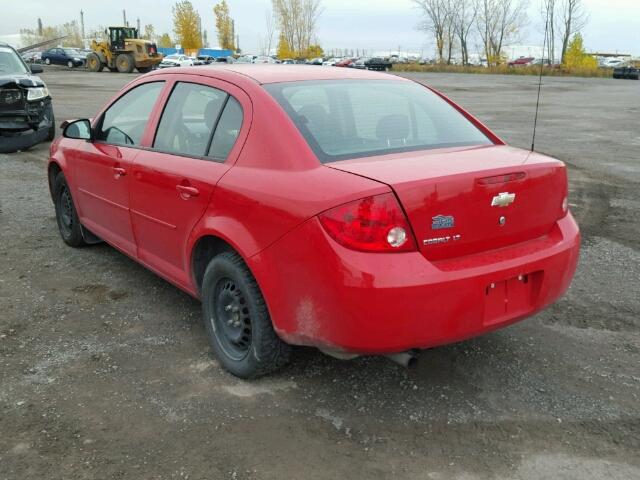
102	175
174	180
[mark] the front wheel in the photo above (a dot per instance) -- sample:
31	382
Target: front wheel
66	215
237	320
70	64
47	61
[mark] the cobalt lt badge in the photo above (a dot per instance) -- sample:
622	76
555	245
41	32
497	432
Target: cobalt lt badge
442	221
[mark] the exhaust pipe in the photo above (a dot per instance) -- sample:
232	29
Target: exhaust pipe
406	359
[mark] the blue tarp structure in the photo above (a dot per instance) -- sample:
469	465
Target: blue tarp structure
169	51
215	53
212	52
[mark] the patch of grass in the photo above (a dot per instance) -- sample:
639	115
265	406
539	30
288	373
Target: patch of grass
506	70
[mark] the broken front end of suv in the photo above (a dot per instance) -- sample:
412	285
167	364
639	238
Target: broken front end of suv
26	113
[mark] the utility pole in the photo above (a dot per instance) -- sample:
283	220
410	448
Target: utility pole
39	27
138	23
233	29
82	24
124	18
238	44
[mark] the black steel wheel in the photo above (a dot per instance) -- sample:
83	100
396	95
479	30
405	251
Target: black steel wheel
66	215
233	322
237	320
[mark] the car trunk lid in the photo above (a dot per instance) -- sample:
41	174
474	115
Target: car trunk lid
470	200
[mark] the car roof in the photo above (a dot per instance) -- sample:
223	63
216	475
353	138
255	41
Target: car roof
267	73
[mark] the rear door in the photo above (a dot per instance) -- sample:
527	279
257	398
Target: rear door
102	168
198	137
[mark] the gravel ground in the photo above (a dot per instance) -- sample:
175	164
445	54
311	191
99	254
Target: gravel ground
105	370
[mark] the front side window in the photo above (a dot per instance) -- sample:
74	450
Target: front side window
342	119
125	121
199	121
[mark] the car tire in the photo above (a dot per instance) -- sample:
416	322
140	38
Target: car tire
70	64
66	215
237	320
47	61
52	128
125	63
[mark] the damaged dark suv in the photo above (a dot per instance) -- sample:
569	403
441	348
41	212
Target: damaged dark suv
26	113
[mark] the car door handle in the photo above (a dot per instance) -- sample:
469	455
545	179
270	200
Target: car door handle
187	191
119	172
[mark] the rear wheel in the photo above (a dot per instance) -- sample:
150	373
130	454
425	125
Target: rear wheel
66	215
125	63
237	320
94	64
47	61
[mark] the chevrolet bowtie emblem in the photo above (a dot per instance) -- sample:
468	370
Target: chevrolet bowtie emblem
503	199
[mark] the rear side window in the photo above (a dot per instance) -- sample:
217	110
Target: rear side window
342	119
199	121
227	130
124	122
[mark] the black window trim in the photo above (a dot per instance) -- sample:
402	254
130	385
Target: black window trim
213	130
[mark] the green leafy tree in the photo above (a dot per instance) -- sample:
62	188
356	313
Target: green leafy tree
576	57
224	26
284	49
149	32
314	51
186	25
165	41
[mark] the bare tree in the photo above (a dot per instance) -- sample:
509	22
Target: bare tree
573	18
464	17
549	8
437	21
297	21
270	28
498	22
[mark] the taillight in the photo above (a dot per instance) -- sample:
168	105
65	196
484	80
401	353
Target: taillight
372	224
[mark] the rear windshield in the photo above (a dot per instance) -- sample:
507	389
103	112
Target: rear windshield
342	119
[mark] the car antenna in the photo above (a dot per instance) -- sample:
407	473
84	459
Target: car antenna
544	46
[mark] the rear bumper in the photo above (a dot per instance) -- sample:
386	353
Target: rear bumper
322	294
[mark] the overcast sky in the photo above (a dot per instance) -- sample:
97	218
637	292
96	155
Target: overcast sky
357	24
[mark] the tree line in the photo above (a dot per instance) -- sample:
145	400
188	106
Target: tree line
456	24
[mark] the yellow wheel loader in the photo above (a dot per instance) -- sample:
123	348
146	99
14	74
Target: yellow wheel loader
123	52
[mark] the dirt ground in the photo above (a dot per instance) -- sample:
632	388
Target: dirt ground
105	370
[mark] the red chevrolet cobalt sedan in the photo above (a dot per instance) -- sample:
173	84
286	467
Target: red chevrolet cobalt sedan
353	211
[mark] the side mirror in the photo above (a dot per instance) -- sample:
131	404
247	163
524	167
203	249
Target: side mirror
36	68
77	129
